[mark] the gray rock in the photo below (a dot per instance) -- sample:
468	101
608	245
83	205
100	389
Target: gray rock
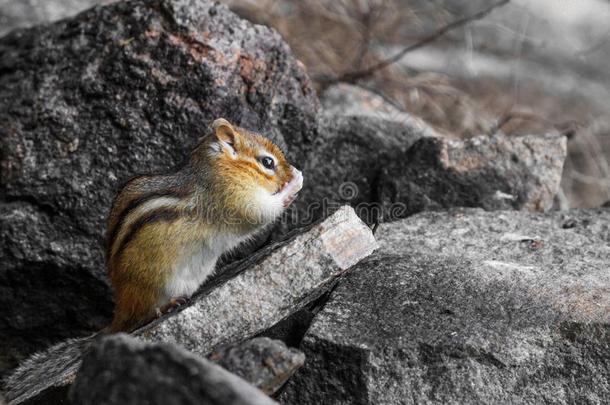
388	169
265	363
25	13
88	102
468	306
249	298
492	172
351	100
121	370
346	160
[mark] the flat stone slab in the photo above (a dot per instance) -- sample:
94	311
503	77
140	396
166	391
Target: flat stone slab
288	278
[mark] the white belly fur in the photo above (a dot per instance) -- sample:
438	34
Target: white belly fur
197	265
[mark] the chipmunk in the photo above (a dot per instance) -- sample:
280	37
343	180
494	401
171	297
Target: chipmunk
166	232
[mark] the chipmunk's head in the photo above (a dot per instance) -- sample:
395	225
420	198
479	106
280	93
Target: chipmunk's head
254	177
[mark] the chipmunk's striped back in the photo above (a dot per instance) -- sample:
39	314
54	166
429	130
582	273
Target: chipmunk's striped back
142	200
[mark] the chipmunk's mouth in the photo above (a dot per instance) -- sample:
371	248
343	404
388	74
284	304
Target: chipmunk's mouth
288	191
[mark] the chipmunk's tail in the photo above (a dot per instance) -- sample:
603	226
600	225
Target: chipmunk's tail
54	368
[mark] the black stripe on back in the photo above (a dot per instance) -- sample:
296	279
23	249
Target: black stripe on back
133	204
158	215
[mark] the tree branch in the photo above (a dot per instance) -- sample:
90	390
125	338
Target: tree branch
352	77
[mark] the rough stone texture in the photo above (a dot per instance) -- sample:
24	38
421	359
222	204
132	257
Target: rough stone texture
25	13
350	100
121	370
249	298
265	363
346	160
492	172
388	169
472	307
88	102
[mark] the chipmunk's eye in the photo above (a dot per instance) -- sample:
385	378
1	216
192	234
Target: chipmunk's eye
267	162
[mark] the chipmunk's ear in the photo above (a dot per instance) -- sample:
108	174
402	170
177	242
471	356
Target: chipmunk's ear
224	131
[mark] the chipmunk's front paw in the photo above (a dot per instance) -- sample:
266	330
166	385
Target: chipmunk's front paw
173	304
290	190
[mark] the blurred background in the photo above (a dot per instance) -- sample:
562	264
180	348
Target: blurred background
465	67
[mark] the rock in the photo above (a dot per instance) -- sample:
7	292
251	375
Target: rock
493	172
88	102
265	363
346	160
468	306
155	374
25	13
249	298
388	170
351	100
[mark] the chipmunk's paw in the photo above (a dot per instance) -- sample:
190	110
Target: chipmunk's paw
173	304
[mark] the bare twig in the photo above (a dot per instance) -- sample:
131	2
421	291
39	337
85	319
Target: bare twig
382	95
351	77
367	21
508	117
565	128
